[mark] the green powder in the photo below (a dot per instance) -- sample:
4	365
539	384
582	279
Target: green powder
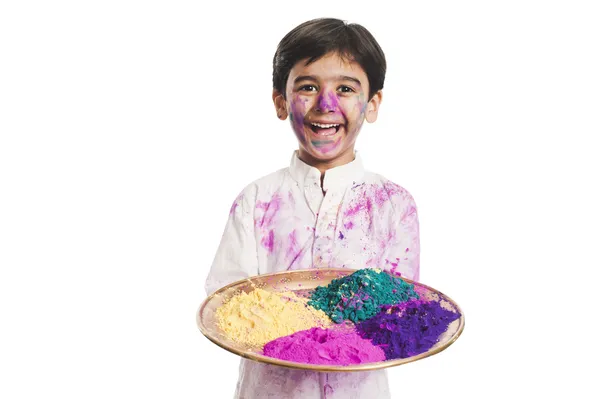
358	296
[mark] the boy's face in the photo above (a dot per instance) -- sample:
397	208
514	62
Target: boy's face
327	102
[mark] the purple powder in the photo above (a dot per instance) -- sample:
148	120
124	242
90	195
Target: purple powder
407	329
339	347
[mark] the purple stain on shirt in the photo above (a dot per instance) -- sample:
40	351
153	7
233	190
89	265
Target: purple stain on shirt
362	204
268	241
293	245
381	195
393	269
270	209
388	191
393	189
363	208
327	390
409	211
235	204
294	251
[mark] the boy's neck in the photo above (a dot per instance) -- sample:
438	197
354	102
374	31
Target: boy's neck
343	158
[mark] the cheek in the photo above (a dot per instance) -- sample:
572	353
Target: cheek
356	115
297	113
298	110
361	105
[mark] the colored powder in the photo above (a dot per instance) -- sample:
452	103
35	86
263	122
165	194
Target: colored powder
407	329
260	316
359	295
325	346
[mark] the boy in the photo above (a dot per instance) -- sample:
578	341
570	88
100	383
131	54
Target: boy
324	210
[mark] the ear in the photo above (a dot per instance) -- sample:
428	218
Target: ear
280	105
373	107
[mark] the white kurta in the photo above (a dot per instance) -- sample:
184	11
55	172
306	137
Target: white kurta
285	222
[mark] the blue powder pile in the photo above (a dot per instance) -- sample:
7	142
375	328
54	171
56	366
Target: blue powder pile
358	296
407	329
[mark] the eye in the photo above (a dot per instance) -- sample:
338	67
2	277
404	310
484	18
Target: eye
308	88
346	89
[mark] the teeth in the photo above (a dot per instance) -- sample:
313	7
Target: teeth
323	126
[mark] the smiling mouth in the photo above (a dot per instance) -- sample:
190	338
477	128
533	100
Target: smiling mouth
325	129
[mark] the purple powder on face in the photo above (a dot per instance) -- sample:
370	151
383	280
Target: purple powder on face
340	347
407	329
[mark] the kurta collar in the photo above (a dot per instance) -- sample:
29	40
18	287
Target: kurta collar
338	177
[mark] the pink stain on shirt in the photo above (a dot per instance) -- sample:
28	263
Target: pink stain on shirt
268	241
270	210
235	204
362	207
394	267
294	252
409	211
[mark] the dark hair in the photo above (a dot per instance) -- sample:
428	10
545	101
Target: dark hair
315	38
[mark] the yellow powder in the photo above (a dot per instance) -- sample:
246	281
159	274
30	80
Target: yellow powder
261	316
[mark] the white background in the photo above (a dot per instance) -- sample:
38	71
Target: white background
129	127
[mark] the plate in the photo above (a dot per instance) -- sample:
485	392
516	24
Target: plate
302	282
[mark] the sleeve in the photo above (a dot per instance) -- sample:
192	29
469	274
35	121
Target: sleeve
404	252
236	257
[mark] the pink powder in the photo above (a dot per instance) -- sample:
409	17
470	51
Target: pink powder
340	347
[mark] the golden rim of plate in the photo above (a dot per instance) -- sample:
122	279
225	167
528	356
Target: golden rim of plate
313	276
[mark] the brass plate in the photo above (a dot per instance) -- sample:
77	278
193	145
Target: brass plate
302	282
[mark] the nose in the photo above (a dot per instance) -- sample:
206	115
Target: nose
327	102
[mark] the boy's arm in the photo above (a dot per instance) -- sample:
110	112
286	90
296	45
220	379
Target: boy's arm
236	256
404	252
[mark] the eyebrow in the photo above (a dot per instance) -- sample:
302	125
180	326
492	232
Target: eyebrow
313	78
